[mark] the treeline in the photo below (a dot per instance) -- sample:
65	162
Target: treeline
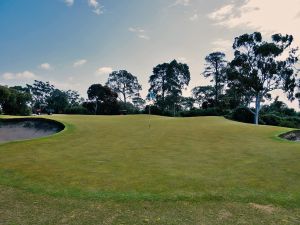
238	88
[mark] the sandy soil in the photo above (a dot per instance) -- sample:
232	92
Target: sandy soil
292	135
22	130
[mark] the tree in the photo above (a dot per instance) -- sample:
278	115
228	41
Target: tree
103	96
187	103
13	101
215	69
260	67
298	97
124	83
74	98
204	95
138	102
57	101
40	92
168	80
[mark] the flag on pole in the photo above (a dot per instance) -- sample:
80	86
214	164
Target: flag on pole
151	98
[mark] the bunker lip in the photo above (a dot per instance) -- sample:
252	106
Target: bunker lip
18	129
291	135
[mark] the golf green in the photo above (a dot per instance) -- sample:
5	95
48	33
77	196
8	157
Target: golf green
191	159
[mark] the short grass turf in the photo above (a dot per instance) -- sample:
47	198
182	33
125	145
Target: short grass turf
199	169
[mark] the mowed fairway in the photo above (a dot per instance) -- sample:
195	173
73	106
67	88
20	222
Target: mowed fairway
114	170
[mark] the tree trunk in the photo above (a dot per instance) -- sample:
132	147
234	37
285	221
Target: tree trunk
124	96
257	108
96	108
217	84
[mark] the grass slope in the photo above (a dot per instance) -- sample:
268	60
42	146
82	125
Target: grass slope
180	164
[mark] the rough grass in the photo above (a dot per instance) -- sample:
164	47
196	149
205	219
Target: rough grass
180	168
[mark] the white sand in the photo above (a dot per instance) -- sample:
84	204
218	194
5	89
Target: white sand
13	132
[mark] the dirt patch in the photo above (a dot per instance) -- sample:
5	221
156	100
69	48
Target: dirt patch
23	129
292	135
265	208
224	215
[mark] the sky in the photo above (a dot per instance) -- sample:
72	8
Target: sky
75	43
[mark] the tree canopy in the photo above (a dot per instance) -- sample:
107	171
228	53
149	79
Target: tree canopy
260	67
168	80
215	69
104	99
124	84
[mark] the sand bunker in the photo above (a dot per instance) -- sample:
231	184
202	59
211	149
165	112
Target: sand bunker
22	129
292	135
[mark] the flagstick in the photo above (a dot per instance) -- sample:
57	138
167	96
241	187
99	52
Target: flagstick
149	116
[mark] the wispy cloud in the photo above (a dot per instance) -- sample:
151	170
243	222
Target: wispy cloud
141	33
97	7
26	75
45	66
69	2
79	63
181	2
104	70
267	16
194	17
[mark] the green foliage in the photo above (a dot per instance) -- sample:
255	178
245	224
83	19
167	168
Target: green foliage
77	110
204	96
242	114
258	67
40	92
215	69
271	119
167	82
57	101
202	112
102	99
278	108
14	101
128	108
274	120
124	84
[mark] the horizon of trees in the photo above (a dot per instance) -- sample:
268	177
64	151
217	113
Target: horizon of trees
257	68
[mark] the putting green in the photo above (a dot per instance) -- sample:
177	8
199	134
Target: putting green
192	159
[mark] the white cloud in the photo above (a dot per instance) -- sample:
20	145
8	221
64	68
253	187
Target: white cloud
26	75
69	2
222	13
79	63
182	59
141	33
181	2
97	7
266	16
45	66
143	36
104	70
194	17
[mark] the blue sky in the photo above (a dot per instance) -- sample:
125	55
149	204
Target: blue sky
74	43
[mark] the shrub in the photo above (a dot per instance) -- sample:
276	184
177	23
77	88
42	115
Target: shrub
242	114
202	112
77	110
292	122
271	119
